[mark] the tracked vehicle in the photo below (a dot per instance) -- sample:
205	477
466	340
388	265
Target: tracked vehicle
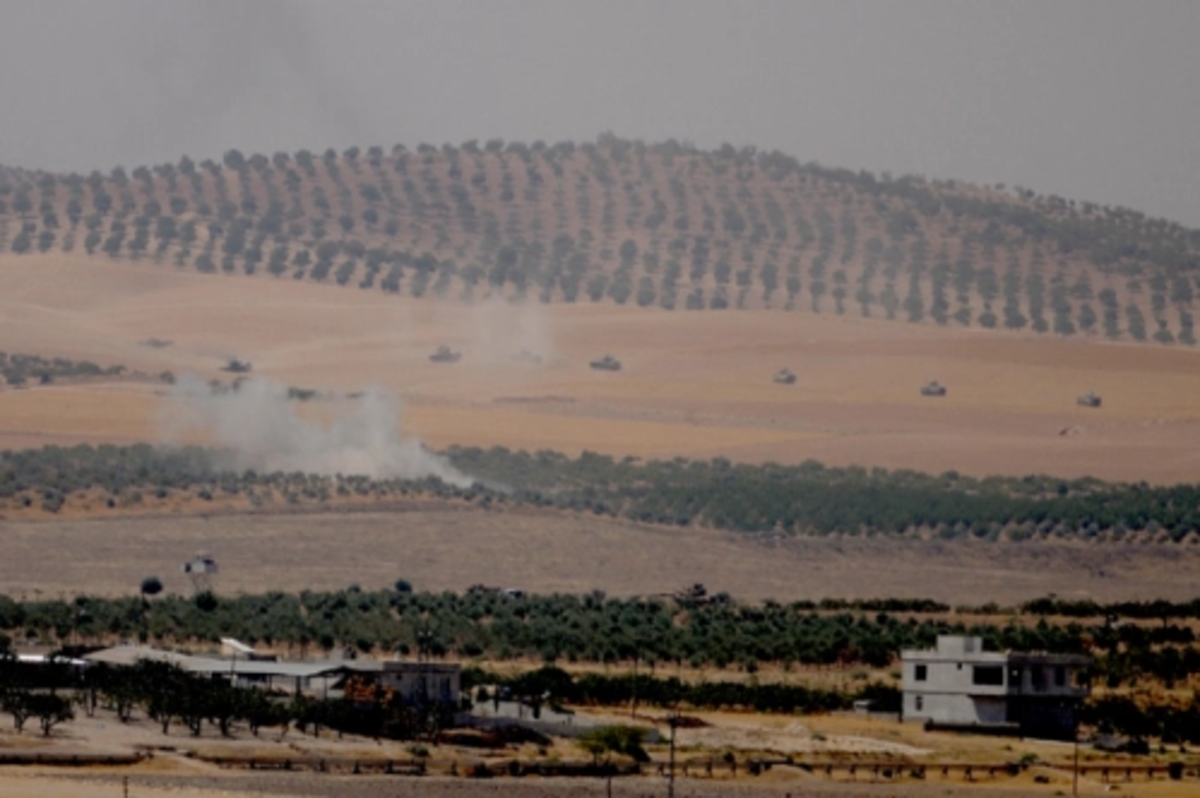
933	388
606	363
445	354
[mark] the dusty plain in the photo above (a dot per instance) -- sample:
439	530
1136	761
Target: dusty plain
451	547
694	384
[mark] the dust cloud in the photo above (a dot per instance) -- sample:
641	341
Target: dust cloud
500	330
262	429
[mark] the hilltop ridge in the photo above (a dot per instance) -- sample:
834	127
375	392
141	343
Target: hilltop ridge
661	225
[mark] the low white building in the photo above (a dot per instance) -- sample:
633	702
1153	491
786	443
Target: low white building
959	685
423	682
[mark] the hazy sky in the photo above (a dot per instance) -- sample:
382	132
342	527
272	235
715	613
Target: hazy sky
1090	100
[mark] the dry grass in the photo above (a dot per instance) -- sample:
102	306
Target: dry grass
811	738
694	384
450	547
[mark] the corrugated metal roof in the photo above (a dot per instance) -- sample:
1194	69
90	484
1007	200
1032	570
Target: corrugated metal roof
242	667
129	655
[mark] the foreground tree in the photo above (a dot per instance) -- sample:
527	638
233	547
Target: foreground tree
151	586
50	710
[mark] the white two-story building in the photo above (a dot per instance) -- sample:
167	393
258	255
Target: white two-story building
959	685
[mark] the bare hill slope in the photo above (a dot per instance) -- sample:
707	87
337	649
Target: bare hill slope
692	384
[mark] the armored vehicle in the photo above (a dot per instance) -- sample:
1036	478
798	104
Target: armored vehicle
445	354
238	366
698	595
606	363
933	388
1089	399
785	377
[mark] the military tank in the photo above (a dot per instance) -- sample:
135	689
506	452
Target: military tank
933	388
445	354
1089	399
698	595
606	363
785	377
238	366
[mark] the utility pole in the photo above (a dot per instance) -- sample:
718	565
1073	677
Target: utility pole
1075	773
633	689
424	640
673	722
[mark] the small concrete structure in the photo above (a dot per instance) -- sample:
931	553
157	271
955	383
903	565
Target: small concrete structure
421	682
959	685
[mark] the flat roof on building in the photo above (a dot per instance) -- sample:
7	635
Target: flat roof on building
209	665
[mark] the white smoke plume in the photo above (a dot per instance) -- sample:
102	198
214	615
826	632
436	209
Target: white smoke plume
501	329
262	428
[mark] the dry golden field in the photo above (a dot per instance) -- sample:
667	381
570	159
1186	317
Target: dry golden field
450	549
693	384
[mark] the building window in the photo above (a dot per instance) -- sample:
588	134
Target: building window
988	675
1060	676
1038	678
920	673
920	703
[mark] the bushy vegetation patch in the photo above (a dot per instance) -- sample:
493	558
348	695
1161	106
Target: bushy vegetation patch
804	499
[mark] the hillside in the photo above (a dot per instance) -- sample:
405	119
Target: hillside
696	385
663	225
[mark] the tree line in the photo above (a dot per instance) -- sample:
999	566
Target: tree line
20	369
550	685
1140	719
552	628
811	498
594	628
804	499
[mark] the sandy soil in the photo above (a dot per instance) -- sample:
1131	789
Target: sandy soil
447	548
69	785
693	384
815	739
